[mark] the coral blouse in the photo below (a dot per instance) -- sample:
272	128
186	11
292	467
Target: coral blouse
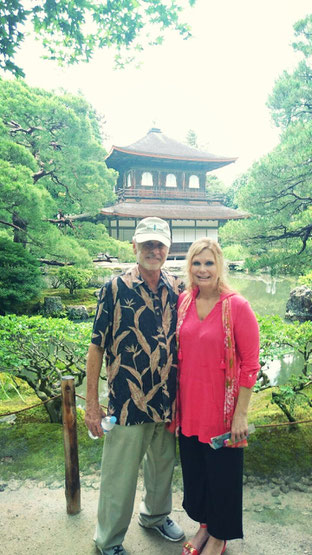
201	365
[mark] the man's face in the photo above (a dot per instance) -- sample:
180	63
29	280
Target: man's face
151	255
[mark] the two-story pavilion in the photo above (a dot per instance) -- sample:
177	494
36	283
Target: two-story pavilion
159	176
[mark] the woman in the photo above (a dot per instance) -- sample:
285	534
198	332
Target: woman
218	364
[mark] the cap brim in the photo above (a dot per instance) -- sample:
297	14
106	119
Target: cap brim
143	237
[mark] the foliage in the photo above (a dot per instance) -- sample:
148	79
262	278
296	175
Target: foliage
53	278
277	192
42	350
74	278
9	384
235	252
95	238
215	186
71	31
191	138
290	394
306	280
52	164
278	338
20	277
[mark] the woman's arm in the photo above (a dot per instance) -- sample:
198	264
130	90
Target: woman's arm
239	427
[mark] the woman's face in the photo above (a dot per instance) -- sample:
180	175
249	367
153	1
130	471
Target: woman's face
204	271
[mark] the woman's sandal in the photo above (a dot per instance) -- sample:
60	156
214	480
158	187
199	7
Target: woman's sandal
189	549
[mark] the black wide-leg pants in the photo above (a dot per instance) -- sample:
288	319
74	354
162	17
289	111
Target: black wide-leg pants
213	486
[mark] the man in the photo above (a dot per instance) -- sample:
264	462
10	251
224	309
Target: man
135	326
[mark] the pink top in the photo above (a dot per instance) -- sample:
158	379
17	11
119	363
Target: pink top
201	365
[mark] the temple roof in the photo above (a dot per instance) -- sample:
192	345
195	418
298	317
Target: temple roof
173	211
155	145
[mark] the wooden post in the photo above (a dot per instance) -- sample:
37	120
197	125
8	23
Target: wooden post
72	482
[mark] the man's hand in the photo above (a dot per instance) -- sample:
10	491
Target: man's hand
93	417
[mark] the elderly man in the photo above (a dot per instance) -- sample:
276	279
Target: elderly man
135	327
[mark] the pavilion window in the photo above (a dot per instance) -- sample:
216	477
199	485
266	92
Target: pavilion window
171	180
129	181
147	179
194	182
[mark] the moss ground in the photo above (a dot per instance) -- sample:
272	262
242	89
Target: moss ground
33	447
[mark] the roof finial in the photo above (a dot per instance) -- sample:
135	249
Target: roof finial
154	128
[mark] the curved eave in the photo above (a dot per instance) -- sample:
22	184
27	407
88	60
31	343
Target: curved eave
169	156
131	210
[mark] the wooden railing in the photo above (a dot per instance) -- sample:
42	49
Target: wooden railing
161	194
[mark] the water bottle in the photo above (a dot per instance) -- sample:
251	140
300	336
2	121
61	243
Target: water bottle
107	424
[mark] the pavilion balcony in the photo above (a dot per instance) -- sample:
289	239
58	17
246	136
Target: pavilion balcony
167	194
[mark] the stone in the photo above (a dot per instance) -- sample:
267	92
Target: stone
275	493
52	306
284	488
299	304
78	312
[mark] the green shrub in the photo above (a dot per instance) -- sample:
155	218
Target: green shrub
20	277
74	278
41	351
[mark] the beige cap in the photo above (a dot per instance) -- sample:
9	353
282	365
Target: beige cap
153	229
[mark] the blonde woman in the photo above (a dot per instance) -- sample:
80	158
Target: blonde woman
218	364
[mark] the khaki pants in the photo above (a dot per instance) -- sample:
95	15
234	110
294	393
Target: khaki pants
124	449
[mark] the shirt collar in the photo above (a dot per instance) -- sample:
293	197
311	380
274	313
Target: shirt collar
136	279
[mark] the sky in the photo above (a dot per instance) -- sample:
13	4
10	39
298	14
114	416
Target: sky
217	83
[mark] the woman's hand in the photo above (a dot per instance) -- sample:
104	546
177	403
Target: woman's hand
239	429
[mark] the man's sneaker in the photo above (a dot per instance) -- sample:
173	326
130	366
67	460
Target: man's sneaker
115	550
169	530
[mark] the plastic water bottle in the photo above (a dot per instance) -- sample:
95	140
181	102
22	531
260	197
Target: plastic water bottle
107	423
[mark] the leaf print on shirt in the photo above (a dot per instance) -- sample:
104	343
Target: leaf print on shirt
164	373
137	316
117	318
164	297
141	340
114	289
99	310
147	299
103	336
166	320
156	417
152	392
118	340
154	359
134	373
113	369
124	413
137	395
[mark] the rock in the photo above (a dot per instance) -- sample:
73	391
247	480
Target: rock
301	487
52	306
299	304
284	488
78	312
14	485
275	493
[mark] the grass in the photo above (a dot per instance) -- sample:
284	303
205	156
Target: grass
285	450
33	447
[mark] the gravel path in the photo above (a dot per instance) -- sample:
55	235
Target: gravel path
33	520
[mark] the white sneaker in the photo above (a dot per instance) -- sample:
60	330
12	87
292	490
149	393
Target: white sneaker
169	530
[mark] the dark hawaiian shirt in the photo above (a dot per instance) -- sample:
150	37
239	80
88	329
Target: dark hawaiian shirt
136	327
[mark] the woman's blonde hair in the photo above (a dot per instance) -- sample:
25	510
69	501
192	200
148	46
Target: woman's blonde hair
196	248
